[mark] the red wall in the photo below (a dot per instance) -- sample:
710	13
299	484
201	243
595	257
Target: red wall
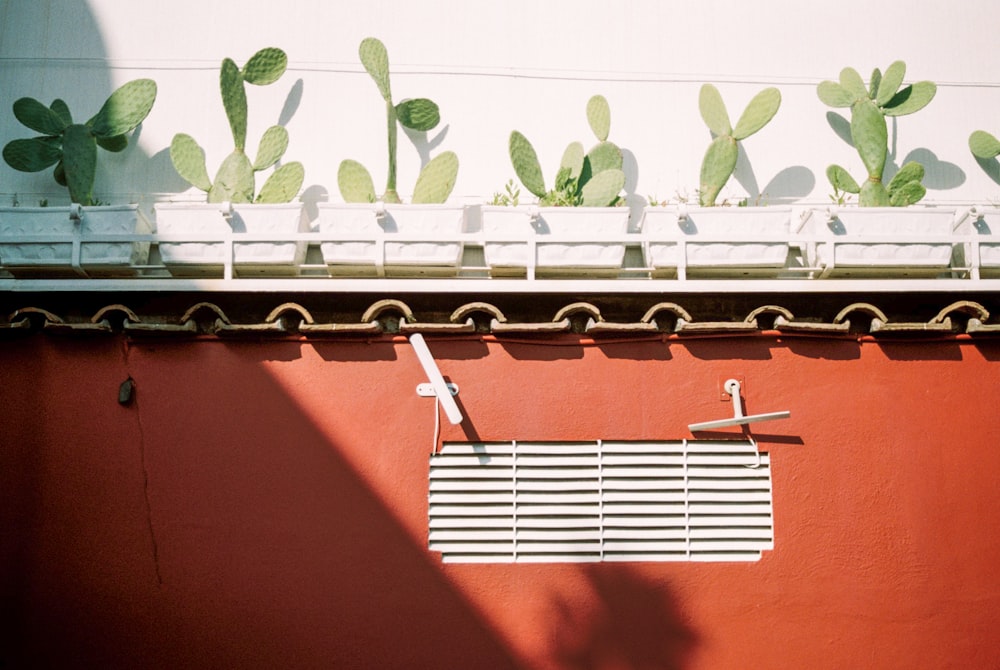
263	504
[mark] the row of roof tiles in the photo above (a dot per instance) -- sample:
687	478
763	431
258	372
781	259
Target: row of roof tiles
395	316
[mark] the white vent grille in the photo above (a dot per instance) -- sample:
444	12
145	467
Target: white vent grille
692	500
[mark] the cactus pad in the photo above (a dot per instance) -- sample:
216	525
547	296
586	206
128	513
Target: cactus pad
717	167
418	114
234	181
713	110
271	149
759	111
355	182
984	145
283	184
603	189
265	67
38	117
189	161
526	165
375	58
124	109
79	162
437	179
599	117
234	99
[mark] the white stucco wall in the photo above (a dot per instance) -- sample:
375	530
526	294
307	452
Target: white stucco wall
494	67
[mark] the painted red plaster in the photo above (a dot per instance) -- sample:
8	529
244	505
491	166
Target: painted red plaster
263	504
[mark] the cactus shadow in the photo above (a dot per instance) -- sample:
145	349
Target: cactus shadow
292	102
841	127
940	174
423	143
311	195
991	166
788	185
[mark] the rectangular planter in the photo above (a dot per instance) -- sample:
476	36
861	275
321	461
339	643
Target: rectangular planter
720	241
55	255
210	224
910	241
600	232
401	240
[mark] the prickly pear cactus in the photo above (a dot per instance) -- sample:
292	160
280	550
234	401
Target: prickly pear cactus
983	145
592	179
884	96
720	158
235	181
72	147
436	180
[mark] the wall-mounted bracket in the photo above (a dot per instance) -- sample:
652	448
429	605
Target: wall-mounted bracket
442	391
732	387
426	390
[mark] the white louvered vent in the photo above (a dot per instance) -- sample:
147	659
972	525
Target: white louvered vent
691	500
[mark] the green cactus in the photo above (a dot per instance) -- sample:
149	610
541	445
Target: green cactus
436	179
884	96
983	145
72	147
594	179
719	162
235	180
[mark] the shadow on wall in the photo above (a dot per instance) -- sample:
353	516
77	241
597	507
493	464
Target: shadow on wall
624	621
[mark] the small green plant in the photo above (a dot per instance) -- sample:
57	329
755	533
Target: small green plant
883	96
436	179
719	162
594	179
511	196
72	147
984	145
235	180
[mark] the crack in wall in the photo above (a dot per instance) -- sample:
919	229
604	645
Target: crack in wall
133	400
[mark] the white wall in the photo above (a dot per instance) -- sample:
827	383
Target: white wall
494	67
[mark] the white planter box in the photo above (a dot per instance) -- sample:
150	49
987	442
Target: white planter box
210	224
600	231
390	239
725	241
878	241
60	226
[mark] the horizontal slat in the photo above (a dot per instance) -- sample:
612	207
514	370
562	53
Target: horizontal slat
470	485
728	496
644	496
558	535
639	483
472	472
557	557
745	533
644	521
473	547
559	547
464	498
472	461
557	497
471	535
679	532
588	509
649	556
464	510
471	522
620	546
558	522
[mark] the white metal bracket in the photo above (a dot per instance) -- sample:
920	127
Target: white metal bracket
732	387
441	390
426	390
